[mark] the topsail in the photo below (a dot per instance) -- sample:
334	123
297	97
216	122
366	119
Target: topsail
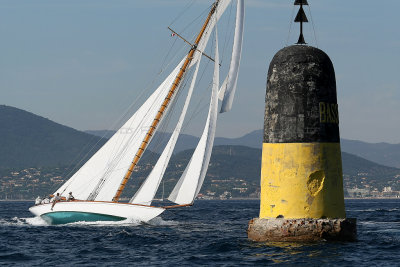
228	88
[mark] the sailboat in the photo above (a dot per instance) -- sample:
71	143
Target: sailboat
98	184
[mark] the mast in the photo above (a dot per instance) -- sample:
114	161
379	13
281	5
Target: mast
164	105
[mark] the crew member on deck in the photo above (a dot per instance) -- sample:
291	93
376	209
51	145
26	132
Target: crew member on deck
70	197
45	200
38	200
55	200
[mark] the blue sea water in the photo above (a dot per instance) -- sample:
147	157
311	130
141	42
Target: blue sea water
211	233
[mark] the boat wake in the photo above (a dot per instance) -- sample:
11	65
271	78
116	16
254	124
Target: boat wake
158	221
38	221
15	221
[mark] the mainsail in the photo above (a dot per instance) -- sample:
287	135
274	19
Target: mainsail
105	169
192	178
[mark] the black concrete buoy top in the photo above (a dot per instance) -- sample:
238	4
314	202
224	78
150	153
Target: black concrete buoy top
301	101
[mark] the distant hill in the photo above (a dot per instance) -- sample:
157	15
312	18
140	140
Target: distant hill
28	140
382	153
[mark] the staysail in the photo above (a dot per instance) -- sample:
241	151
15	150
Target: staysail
105	169
228	88
192	178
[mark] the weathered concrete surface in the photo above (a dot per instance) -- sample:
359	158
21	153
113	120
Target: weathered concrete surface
304	230
300	100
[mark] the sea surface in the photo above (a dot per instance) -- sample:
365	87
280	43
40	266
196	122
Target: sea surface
211	233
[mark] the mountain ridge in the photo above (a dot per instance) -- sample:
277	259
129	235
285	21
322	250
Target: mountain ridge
382	153
29	140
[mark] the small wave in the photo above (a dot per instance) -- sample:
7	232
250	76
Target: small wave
375	223
158	221
375	210
126	222
38	221
35	221
15	221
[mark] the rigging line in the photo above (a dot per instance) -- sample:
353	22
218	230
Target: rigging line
72	166
193	115
290	26
228	34
312	22
190	72
159	143
168	53
114	161
198	110
161	110
117	158
196	19
156	157
165	123
118	122
68	169
185	9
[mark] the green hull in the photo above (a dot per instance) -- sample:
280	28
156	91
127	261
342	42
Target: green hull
63	217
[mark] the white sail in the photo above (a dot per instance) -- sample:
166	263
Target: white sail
192	179
228	88
107	167
149	188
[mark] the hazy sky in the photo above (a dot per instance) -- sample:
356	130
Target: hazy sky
82	62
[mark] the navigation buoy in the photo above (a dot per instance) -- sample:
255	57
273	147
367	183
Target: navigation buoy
301	173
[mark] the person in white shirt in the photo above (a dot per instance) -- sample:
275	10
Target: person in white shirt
46	200
56	198
70	197
38	200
